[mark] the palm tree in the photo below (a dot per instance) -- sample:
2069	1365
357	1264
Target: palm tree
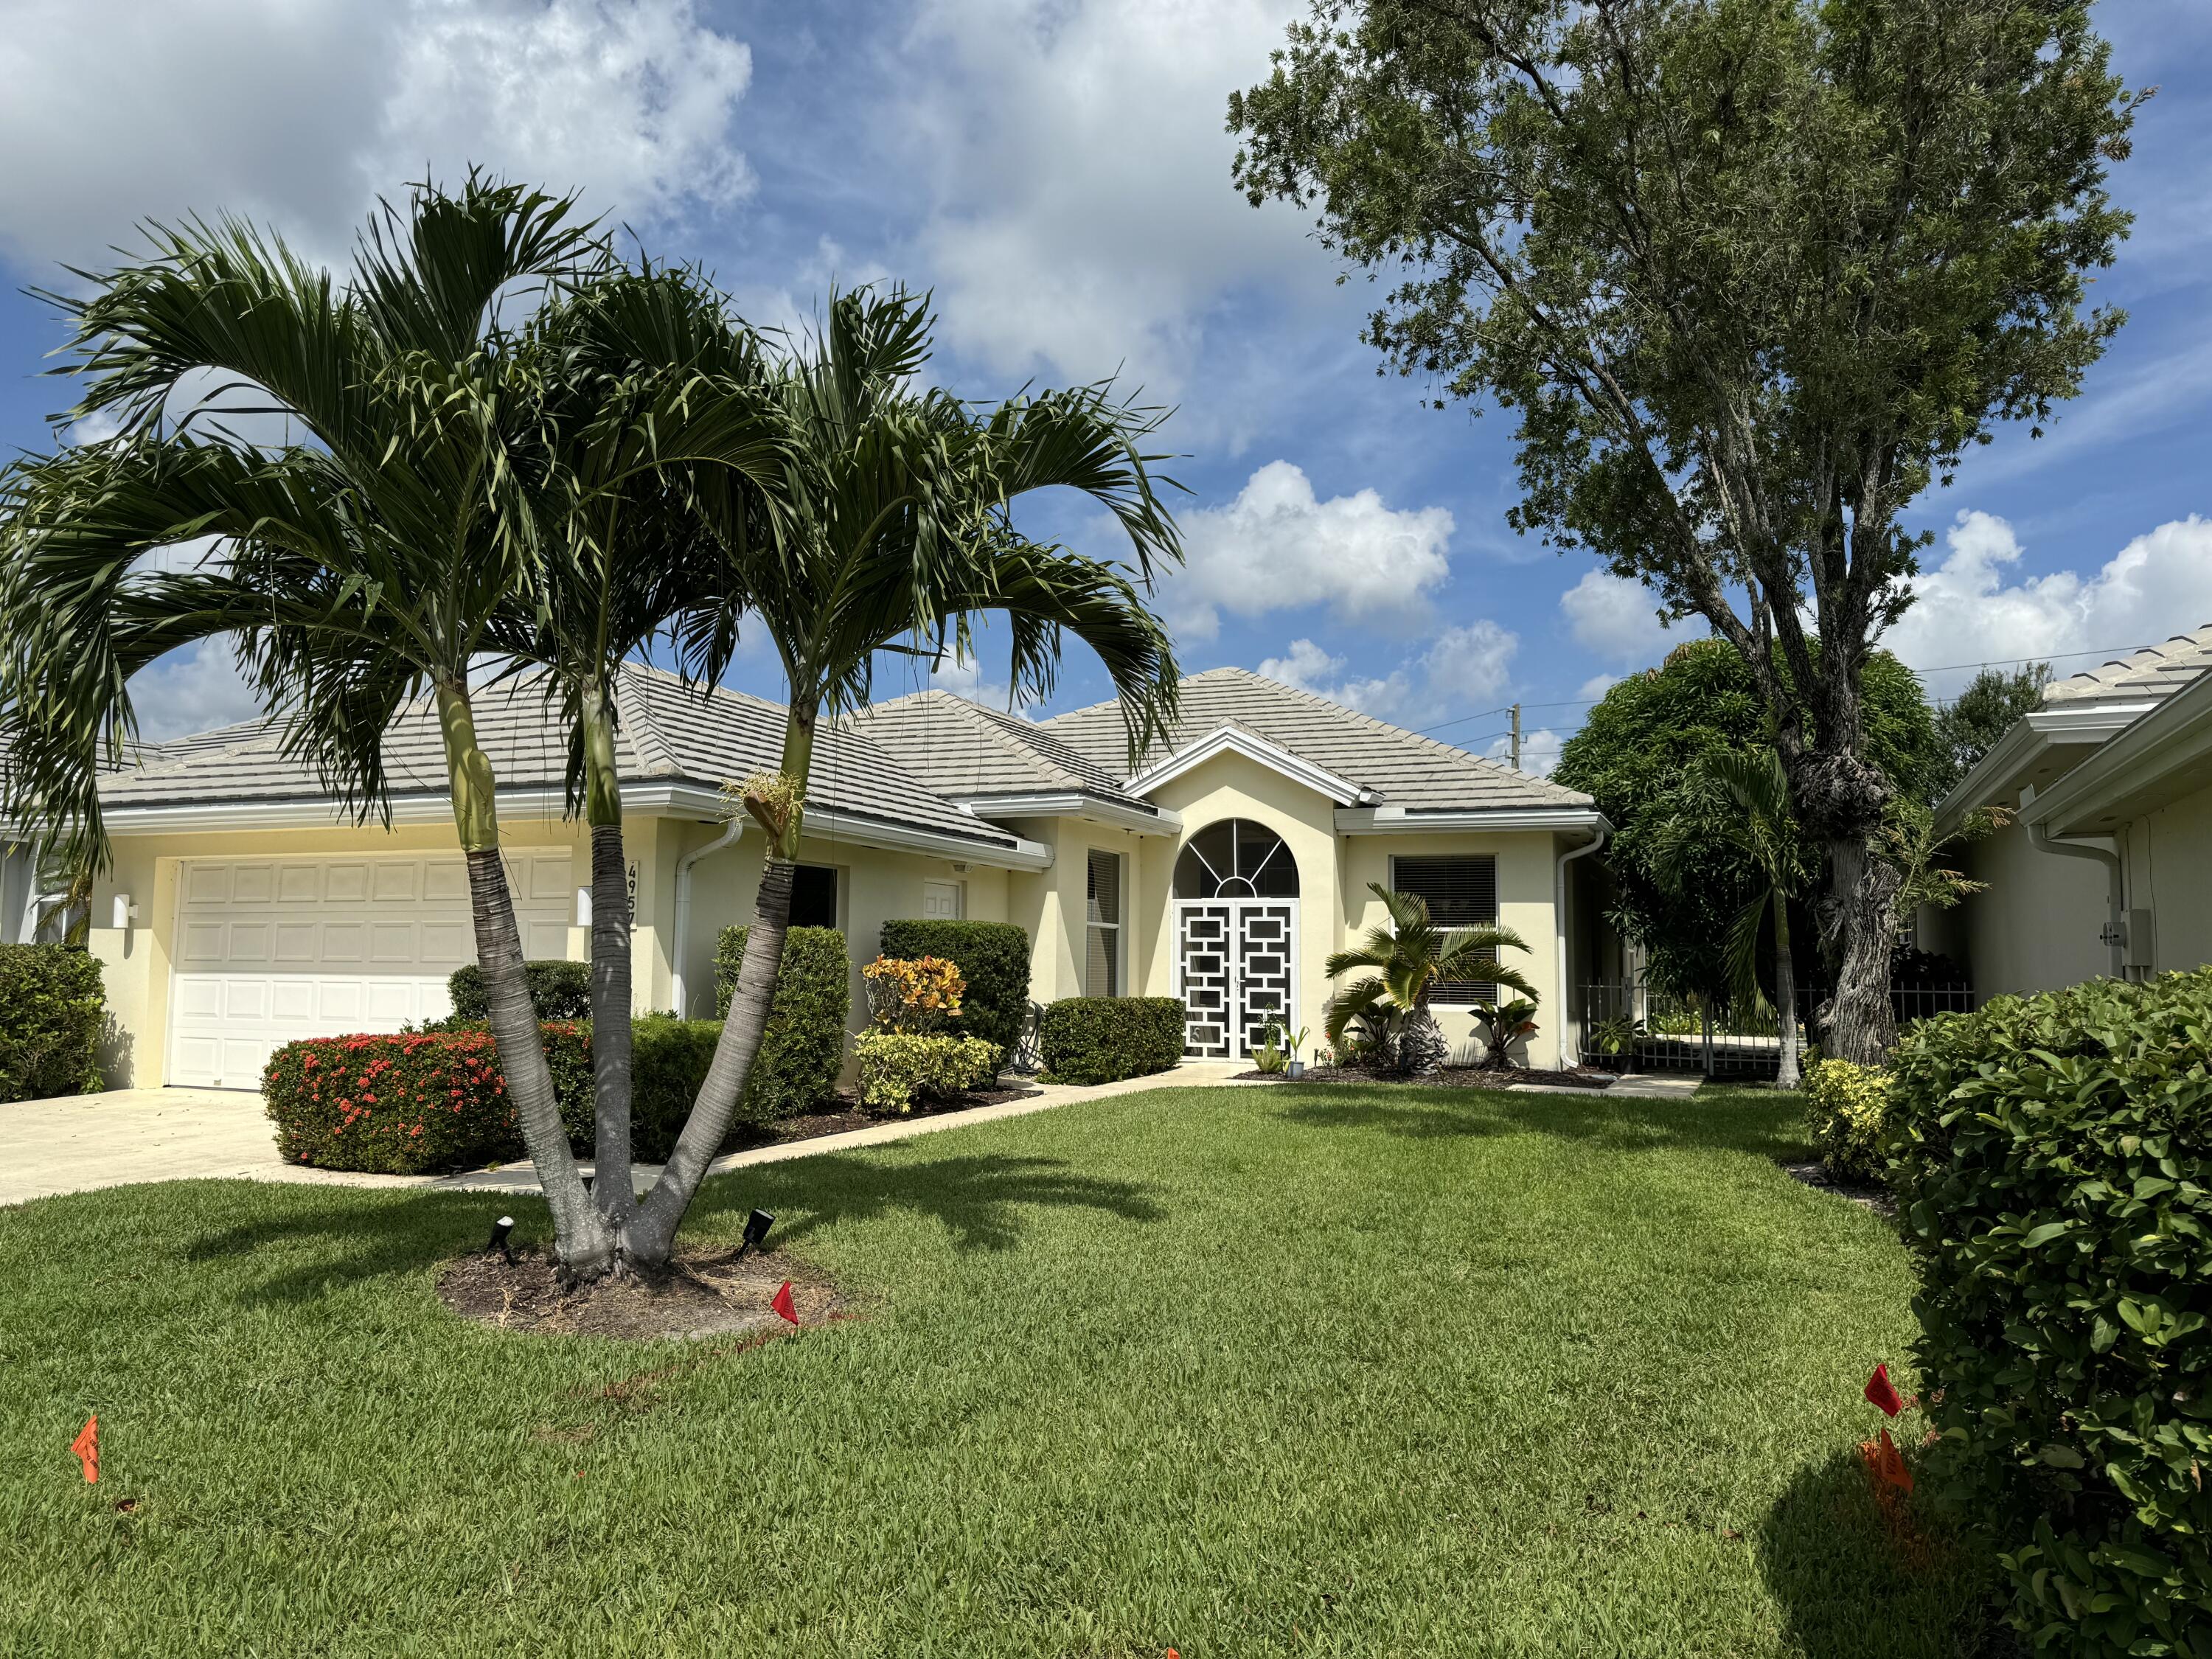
891	529
1762	829
1410	957
362	561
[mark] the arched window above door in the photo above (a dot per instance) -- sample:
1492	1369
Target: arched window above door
1236	858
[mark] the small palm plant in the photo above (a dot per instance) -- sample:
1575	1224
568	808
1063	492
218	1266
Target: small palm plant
1761	824
1409	957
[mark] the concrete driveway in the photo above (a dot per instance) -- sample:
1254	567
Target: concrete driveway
129	1135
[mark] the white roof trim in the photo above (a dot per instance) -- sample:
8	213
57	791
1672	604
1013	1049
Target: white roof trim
321	811
1995	777
1230	739
1073	803
1404	821
2154	764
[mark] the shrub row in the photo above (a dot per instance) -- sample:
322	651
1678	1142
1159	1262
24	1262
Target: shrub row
992	957
803	1049
2052	1160
437	1100
897	1068
558	991
1105	1039
51	1010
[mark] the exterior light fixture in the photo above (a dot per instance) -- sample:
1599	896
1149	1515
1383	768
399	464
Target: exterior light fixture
126	913
757	1226
500	1230
583	907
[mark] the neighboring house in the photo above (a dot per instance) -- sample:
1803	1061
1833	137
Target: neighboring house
2103	870
241	911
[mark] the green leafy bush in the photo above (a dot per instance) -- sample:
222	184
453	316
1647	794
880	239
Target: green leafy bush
1104	1039
2052	1158
437	1100
804	1048
992	957
898	1068
558	990
52	1009
1845	1106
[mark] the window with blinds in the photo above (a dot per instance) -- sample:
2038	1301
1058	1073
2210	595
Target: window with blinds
1102	933
1462	892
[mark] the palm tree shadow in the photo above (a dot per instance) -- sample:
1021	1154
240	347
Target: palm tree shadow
1620	1122
978	1200
1855	1576
353	1235
1414	1112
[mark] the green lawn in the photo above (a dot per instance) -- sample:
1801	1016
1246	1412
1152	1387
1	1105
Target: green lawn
1324	1370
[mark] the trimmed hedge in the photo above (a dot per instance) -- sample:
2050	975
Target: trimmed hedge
992	957
2052	1159
803	1049
899	1067
437	1100
1105	1039
1844	1109
558	991
51	1011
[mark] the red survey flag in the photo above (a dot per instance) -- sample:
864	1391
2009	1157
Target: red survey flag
1880	1393
781	1303
87	1447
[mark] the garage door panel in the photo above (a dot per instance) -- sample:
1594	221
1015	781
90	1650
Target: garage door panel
271	950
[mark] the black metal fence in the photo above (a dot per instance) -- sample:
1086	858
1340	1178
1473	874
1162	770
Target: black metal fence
1628	1027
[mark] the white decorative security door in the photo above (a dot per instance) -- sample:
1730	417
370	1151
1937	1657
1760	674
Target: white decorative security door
1236	930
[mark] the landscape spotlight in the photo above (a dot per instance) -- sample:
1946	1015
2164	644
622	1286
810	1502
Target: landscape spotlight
500	1230
757	1226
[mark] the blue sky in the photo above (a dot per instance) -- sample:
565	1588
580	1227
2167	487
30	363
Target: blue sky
1057	172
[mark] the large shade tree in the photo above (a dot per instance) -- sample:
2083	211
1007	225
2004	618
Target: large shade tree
454	496
1752	274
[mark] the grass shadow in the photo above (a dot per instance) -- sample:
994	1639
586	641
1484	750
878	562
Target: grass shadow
1421	1115
977	1198
1749	1121
1856	1576
363	1235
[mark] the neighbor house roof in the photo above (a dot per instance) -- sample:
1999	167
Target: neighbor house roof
669	733
2156	671
1398	769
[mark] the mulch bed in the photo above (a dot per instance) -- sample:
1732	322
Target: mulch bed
1452	1076
850	1115
1877	1199
705	1292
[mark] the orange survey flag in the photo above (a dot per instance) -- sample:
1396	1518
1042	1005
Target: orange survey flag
781	1303
87	1447
1889	1464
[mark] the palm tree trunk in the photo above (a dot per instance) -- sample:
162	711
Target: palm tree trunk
581	1237
1785	993
611	1066
653	1235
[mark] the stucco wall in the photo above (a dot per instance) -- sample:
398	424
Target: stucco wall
873	887
135	961
2169	852
2036	927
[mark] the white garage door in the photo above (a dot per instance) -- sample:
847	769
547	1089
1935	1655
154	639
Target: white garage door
272	950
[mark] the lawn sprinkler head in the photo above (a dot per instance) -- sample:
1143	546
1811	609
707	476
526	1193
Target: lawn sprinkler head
500	1230
757	1226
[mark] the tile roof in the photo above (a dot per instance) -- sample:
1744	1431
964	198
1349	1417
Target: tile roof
1404	769
966	751
669	732
2156	671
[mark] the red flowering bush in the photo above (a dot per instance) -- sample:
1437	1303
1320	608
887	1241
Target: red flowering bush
408	1105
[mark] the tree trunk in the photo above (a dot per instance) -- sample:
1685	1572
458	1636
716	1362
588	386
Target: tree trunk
612	1189
1785	994
1422	1049
653	1234
582	1238
1859	918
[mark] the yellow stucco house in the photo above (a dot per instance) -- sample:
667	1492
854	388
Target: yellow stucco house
241	911
2102	869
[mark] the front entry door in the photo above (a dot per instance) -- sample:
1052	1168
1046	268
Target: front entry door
1235	971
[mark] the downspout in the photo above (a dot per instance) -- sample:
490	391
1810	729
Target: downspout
730	831
2040	837
1559	926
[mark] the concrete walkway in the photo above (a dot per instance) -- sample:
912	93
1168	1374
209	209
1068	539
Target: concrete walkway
126	1136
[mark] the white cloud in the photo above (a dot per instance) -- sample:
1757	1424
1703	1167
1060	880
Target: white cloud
302	114
2159	585
1460	666
1539	750
1596	686
194	690
1276	547
1617	619
1084	222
